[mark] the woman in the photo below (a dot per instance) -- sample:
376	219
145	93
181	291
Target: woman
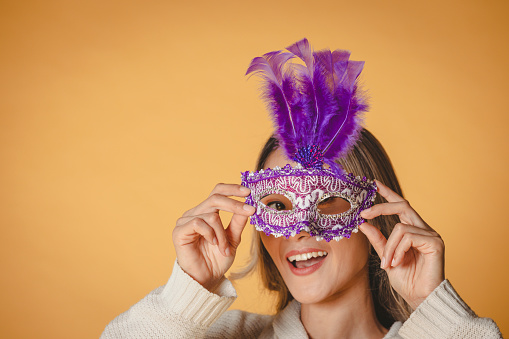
355	300
327	288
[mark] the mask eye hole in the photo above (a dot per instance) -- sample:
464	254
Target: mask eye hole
277	202
333	205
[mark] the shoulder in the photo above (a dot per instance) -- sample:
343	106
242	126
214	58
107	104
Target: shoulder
239	324
443	314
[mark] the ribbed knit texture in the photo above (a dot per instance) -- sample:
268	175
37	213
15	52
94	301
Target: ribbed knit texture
186	297
185	309
443	314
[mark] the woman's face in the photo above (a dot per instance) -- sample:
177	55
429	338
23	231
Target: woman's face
322	278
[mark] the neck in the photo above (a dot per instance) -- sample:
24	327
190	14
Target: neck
350	313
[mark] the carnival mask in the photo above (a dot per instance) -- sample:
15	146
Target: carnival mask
316	110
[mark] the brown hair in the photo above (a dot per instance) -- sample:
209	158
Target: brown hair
367	158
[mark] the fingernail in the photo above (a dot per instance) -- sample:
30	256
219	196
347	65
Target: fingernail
382	265
245	189
392	263
249	208
214	241
228	252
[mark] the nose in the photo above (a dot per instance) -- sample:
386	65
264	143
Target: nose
302	235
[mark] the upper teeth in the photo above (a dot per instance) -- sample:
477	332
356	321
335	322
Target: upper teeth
306	256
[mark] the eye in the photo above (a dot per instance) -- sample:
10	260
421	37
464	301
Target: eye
277	202
277	205
333	205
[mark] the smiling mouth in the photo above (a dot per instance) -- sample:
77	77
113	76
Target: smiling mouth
307	259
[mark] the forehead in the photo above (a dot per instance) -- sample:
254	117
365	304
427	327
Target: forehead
278	158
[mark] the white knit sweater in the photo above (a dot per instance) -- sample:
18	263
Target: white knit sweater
185	309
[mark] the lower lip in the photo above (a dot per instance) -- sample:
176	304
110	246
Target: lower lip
306	270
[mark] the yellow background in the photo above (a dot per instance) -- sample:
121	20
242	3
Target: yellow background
117	116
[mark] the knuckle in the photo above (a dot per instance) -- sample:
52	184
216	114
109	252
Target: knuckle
218	186
440	242
406	237
213	218
176	234
196	222
406	203
239	205
214	198
399	228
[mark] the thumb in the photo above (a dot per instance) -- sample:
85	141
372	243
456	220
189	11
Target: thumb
234	230
375	237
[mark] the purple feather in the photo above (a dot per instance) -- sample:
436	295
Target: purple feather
316	104
308	88
343	128
270	68
302	50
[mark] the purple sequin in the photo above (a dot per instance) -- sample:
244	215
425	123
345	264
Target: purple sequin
309	156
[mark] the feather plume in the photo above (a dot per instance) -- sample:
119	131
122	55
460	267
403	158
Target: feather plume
278	93
316	105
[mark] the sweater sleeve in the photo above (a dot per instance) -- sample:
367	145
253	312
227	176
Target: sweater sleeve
180	309
443	314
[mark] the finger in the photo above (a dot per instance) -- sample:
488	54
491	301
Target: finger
397	234
214	221
403	209
234	230
386	208
187	233
218	202
231	190
375	237
387	193
423	243
220	189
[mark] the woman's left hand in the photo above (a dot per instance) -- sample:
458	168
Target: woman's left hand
413	256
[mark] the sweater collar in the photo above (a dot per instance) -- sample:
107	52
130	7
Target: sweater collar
287	324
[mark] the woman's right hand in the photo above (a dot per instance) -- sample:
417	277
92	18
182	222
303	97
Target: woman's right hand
205	249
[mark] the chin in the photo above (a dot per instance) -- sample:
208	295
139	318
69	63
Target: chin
310	293
326	287
309	297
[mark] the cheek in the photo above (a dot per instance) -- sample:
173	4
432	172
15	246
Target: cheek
273	246
351	255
